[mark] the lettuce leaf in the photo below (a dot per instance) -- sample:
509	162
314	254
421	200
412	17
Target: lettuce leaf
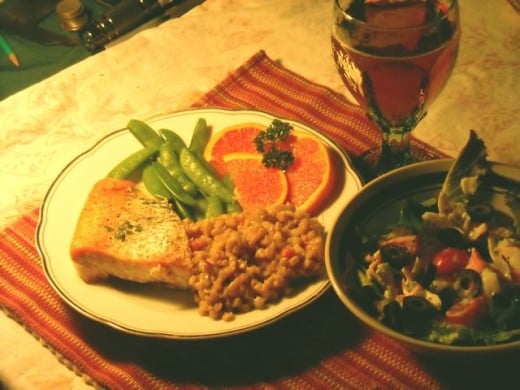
464	175
461	335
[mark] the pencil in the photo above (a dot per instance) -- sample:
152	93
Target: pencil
8	51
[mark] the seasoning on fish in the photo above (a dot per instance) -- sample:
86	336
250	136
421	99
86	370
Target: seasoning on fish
126	233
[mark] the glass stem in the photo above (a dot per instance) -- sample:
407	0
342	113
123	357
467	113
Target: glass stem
395	149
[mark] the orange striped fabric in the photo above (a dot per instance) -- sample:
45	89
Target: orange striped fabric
263	84
321	346
298	352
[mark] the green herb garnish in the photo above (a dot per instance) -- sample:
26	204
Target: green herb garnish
266	143
125	229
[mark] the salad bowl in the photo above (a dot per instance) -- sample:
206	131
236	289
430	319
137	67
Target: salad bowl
378	208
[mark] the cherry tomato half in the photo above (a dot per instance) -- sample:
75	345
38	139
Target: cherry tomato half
467	312
450	260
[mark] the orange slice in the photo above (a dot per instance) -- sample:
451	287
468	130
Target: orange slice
255	185
312	177
233	139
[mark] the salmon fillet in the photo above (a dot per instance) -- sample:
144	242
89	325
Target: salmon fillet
125	233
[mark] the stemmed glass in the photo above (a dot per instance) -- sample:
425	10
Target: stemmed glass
395	57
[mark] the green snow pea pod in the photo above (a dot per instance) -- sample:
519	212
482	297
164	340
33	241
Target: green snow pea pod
144	133
215	206
228	182
153	184
207	182
233	207
173	185
200	137
199	211
174	139
211	206
132	163
170	160
183	210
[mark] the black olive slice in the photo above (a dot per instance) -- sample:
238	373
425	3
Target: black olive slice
448	297
427	276
392	315
417	315
452	237
417	304
468	283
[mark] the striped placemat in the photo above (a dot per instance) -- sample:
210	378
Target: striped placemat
515	4
321	346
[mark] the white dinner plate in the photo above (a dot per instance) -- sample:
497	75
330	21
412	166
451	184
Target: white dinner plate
146	309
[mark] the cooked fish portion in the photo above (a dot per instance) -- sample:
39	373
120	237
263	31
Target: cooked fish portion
124	232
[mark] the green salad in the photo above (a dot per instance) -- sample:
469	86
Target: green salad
448	270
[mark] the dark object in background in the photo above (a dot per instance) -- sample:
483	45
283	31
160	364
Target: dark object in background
72	15
122	18
108	3
27	11
127	15
22	18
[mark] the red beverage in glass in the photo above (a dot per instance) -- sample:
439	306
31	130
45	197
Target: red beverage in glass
394	57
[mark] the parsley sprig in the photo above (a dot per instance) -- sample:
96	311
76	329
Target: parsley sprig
266	143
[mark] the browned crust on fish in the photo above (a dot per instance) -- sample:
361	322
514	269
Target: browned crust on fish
125	233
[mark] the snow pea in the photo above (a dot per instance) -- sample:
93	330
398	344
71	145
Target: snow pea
207	182
173	185
170	160
131	163
156	187
175	140
183	210
153	184
226	179
144	133
200	137
214	207
233	207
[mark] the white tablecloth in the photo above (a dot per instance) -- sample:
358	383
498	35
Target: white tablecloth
166	68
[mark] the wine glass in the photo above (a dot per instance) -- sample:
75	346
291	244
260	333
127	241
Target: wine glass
395	57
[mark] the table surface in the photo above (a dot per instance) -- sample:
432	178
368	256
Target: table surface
39	61
166	68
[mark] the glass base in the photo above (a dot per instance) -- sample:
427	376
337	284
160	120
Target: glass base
373	163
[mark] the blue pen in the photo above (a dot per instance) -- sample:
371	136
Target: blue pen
8	51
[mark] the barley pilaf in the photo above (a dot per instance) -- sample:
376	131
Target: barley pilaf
245	261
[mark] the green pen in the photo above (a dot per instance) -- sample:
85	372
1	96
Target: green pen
8	51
